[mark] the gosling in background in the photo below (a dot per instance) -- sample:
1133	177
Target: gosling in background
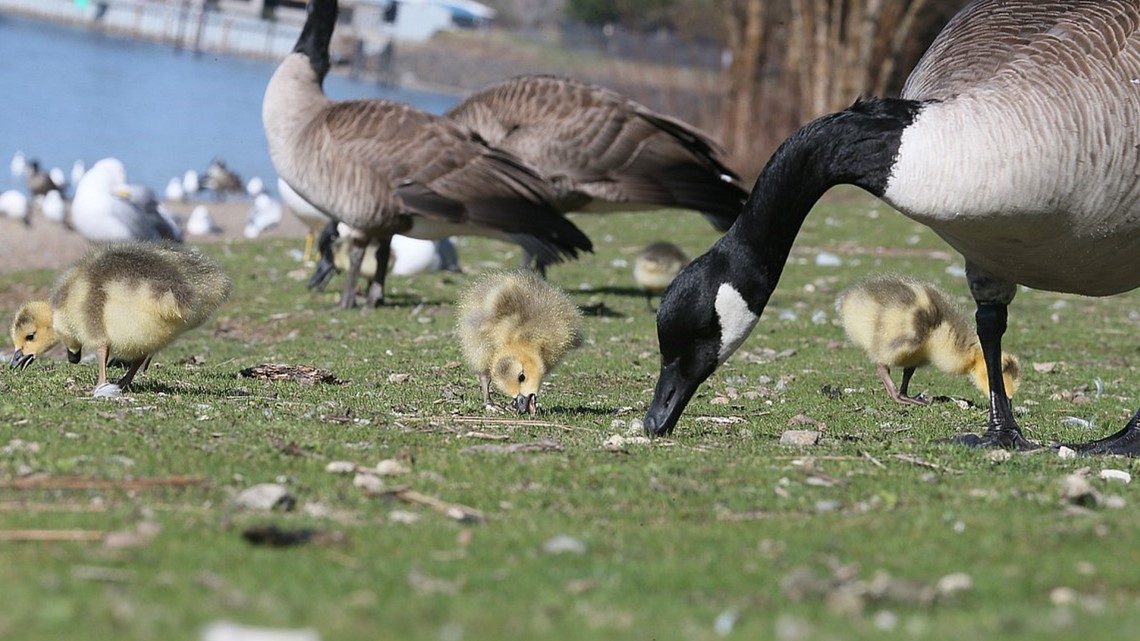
514	327
126	301
656	266
906	323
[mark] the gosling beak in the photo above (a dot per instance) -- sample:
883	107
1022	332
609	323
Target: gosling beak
74	357
526	404
20	360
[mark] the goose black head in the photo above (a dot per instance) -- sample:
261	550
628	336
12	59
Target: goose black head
703	317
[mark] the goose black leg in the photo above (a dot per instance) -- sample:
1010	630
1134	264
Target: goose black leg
376	287
1126	442
1003	430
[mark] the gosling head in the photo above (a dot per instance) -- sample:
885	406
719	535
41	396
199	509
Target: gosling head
1010	373
519	376
32	333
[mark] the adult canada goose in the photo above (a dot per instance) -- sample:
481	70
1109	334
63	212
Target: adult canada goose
222	180
514	327
384	167
40	182
125	300
1014	140
905	323
603	152
107	208
656	266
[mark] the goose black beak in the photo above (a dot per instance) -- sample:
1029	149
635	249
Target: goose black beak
20	360
670	398
74	357
526	404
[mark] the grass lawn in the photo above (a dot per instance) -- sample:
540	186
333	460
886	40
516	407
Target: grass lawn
878	531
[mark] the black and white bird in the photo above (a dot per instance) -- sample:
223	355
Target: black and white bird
1014	139
384	167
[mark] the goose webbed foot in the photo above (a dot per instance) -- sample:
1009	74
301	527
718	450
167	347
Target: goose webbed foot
1126	442
1007	439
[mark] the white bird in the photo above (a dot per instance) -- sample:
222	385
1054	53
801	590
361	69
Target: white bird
78	168
174	191
190	183
58	177
201	223
313	218
14	205
1014	139
107	208
19	164
53	208
416	256
255	186
265	215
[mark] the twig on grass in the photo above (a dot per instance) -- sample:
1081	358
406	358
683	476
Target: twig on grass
461	513
914	460
84	483
51	535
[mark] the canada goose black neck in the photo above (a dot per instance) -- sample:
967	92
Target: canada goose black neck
316	36
714	303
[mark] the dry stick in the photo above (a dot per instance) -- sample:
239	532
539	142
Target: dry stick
52	535
934	466
492	420
456	511
21	506
81	483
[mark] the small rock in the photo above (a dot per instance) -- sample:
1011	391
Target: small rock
226	631
391	467
952	584
1119	476
636	425
618	442
725	621
403	516
398	378
1066	452
340	467
563	544
801	438
1076	489
999	456
266	496
828	259
369	482
1063	596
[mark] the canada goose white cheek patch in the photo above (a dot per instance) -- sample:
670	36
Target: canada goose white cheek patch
736	320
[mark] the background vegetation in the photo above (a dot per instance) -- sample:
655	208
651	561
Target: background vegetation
587	531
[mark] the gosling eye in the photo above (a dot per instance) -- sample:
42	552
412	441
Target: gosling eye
522	377
30	337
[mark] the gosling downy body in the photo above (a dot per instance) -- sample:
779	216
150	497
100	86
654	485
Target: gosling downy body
514	328
905	323
124	300
384	167
656	266
1014	139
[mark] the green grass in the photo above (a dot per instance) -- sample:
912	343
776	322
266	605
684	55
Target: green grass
719	520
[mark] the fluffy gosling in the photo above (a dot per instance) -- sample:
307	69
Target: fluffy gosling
125	300
656	266
514	328
906	323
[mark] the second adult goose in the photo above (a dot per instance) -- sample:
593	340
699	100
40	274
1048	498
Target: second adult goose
384	167
602	151
1015	140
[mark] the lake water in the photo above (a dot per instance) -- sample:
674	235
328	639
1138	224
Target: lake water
70	94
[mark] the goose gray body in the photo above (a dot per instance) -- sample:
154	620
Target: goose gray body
601	151
384	167
1015	139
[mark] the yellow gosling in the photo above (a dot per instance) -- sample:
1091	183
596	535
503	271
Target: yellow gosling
514	328
656	266
906	323
127	301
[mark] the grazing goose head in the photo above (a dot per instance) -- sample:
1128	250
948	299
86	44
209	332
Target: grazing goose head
1014	140
384	167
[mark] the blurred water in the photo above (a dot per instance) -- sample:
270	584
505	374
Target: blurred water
69	94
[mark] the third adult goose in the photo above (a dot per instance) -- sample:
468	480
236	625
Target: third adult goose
602	151
383	167
1015	140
